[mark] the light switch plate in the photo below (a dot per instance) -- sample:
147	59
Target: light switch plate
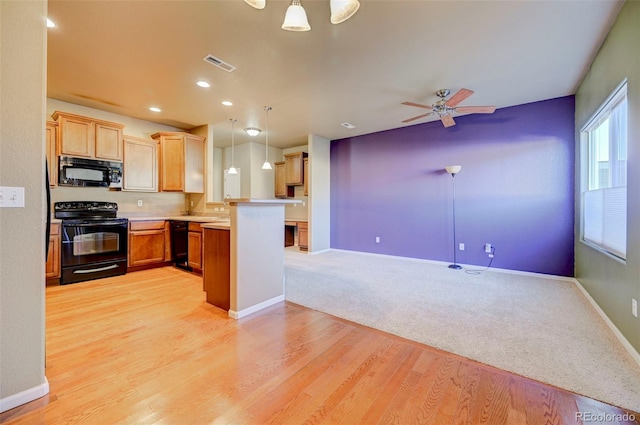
11	197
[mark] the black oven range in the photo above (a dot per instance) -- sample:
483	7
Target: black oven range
94	240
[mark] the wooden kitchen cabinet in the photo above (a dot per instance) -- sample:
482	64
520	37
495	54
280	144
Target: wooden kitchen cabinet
52	152
140	164
89	137
146	242
194	256
281	188
217	267
294	168
181	162
306	176
52	269
303	235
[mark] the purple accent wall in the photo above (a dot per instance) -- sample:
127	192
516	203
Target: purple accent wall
515	189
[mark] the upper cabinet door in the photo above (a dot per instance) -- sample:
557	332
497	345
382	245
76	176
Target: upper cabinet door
77	136
108	142
294	168
140	164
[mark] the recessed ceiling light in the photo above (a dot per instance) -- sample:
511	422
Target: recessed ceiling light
227	103
155	109
203	84
50	23
348	125
252	131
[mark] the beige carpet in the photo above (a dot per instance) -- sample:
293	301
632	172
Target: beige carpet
541	328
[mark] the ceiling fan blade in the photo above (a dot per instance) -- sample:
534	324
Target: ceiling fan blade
461	95
418	117
476	109
419	105
447	120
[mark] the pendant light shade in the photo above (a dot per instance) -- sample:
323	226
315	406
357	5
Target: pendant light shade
296	18
341	10
258	4
267	164
232	169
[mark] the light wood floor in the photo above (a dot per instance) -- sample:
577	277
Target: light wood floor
145	348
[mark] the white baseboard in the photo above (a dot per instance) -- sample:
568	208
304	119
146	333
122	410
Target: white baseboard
24	397
625	343
321	251
247	311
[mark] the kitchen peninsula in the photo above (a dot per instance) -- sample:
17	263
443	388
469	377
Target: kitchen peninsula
252	247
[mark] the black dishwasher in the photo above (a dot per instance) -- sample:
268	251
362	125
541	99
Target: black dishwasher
180	244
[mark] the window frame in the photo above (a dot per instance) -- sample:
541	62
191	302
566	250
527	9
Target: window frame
613	100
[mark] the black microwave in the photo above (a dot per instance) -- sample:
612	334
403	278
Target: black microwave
89	172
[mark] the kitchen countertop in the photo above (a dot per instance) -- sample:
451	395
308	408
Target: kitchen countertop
192	218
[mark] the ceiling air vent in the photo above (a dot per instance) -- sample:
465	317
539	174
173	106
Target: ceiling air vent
219	63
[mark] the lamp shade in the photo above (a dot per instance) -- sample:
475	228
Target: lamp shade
267	166
453	169
296	18
341	10
258	4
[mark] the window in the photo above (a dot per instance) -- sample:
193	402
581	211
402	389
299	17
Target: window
604	197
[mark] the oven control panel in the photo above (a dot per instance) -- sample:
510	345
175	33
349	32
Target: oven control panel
85	206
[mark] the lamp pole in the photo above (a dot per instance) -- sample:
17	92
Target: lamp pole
453	170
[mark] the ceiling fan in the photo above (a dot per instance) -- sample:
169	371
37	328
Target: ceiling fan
444	108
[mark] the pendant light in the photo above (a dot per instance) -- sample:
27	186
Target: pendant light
267	164
296	18
233	169
341	10
258	4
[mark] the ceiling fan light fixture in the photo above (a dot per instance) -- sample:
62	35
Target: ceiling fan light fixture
296	18
258	4
341	10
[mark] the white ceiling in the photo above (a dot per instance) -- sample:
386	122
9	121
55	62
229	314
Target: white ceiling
125	56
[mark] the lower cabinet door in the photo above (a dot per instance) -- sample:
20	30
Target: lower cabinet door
146	247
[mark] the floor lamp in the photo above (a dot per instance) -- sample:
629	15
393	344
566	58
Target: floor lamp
453	170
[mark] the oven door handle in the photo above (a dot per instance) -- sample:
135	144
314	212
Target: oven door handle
95	224
100	269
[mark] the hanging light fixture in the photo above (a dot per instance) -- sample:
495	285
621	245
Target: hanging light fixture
252	131
232	169
453	170
267	164
341	10
296	18
258	4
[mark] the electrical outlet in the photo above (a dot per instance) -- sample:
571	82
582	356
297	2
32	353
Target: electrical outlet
139	202
461	246
487	248
634	307
377	239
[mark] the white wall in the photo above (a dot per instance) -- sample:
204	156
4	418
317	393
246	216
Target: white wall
23	44
319	194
